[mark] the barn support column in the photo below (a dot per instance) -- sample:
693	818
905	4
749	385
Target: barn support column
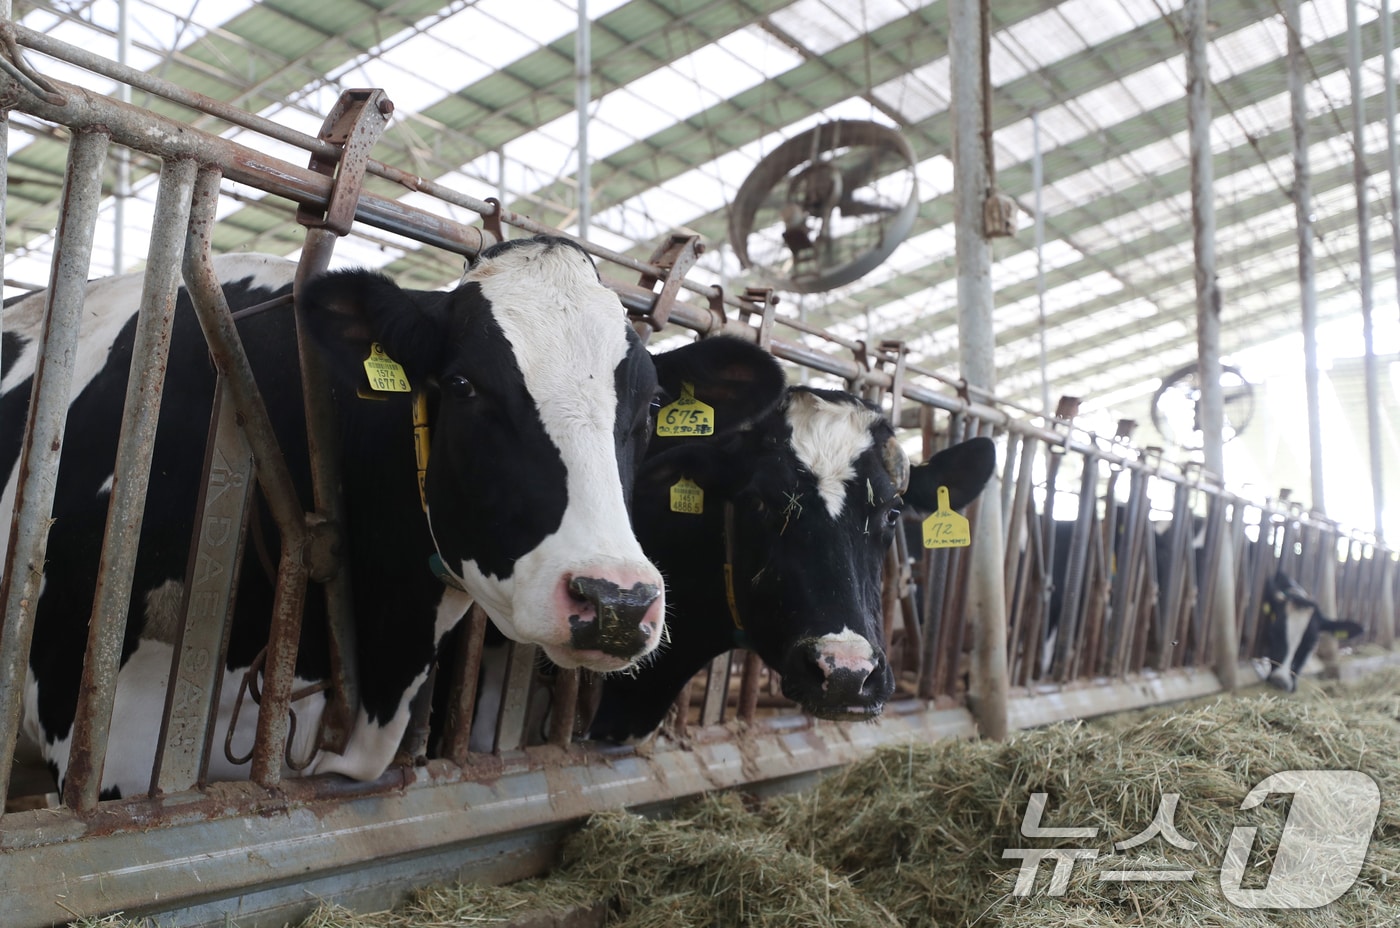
1212	407
986	595
583	70
1326	591
1363	257
1393	145
1307	286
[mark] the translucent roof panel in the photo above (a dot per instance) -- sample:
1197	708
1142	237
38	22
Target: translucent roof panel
686	99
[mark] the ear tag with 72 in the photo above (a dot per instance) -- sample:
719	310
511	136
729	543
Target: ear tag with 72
687	496
686	416
385	374
946	528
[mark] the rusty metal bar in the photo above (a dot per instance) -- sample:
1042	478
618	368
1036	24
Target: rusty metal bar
748	687
150	352
461	702
563	707
274	478
226	347
37	477
351	130
167	139
323	448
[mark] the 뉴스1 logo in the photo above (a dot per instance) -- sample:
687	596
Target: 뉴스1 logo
1319	855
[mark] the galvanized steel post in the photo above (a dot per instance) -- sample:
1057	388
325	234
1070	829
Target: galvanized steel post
583	67
1307	284
986	593
1208	311
1363	260
48	412
1392	143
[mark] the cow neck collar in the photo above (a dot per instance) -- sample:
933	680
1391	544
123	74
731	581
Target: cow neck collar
422	443
740	638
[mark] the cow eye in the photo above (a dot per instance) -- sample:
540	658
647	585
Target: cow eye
892	517
460	386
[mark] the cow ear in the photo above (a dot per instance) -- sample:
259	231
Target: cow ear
350	311
963	468
739	380
713	464
1342	628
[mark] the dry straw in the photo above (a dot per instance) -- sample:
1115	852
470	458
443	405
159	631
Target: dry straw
913	835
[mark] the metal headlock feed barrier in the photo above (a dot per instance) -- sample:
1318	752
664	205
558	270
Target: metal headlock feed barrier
1135	623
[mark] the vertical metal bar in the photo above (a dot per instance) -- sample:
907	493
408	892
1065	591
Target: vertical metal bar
515	699
289	595
1302	207
583	68
48	411
1124	578
985	597
937	582
121	187
1038	185
323	447
1392	143
1018	539
748	687
216	555
1008	484
904	592
1075	565
150	352
461	703
563	707
1032	579
1212	412
1363	261
716	691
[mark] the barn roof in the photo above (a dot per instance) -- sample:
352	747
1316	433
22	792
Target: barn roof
688	95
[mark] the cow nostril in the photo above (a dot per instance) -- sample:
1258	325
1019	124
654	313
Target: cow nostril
577	592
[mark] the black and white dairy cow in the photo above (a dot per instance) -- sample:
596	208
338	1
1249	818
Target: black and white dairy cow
539	398
1292	624
786	555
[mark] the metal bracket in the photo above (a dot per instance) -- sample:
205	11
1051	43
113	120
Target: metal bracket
674	257
759	301
896	352
355	123
491	223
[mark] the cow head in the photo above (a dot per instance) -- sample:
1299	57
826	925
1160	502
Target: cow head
810	499
539	395
1292	623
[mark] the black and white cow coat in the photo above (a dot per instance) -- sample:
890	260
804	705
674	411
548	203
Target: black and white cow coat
539	400
799	508
1292	623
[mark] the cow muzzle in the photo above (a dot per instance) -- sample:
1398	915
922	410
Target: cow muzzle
611	619
843	678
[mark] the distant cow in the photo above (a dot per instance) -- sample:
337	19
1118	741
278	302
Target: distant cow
1292	623
785	554
539	398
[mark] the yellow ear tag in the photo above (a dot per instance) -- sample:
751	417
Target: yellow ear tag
385	374
688	497
945	528
686	416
